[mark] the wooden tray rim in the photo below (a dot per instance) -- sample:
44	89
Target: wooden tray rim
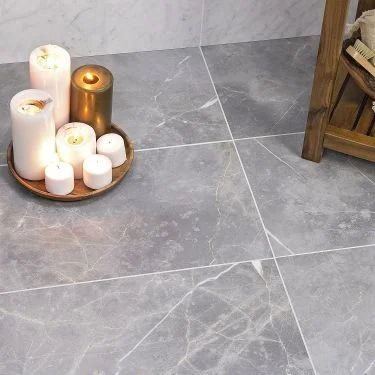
124	168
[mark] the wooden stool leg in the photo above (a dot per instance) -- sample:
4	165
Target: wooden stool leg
331	38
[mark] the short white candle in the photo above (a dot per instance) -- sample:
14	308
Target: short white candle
33	133
59	178
50	71
97	171
113	146
75	142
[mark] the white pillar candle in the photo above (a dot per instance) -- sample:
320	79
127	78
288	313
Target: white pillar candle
33	133
59	178
75	142
113	146
50	71
97	171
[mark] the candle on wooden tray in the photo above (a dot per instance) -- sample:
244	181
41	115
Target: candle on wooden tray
33	133
91	97
50	71
75	142
113	146
59	178
97	171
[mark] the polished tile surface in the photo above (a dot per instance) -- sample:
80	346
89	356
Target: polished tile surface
264	87
163	98
248	20
234	319
90	27
308	206
334	298
172	272
178	208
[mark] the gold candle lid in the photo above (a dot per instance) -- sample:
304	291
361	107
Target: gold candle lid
92	78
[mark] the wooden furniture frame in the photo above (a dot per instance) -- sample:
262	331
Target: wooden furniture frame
340	116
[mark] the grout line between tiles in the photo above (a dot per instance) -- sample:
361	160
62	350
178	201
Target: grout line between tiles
205	143
131	276
259	214
267	136
338	249
182	145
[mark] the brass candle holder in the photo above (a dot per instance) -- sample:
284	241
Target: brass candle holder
91	97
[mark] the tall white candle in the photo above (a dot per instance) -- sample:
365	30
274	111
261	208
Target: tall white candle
33	133
97	171
112	145
75	142
59	178
50	71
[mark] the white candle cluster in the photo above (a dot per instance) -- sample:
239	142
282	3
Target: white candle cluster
38	113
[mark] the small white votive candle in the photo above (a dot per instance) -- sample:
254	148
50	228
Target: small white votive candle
97	171
113	146
75	142
59	178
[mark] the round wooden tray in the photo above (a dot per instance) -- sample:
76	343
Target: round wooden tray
81	191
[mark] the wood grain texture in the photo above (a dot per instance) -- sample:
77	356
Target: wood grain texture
350	143
345	112
81	191
366	119
332	33
342	79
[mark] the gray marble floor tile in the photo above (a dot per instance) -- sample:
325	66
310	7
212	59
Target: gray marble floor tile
178	208
264	86
164	98
229	319
333	295
308	206
161	98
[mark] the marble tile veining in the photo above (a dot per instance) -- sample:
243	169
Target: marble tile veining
131	306
248	20
333	295
177	208
164	98
230	319
264	87
308	206
90	27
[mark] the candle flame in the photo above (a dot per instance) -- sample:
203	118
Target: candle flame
90	78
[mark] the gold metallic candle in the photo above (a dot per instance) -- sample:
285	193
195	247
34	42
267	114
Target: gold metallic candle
91	97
